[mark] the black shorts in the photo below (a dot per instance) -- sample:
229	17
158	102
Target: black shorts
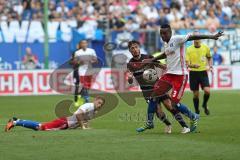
197	78
162	98
147	92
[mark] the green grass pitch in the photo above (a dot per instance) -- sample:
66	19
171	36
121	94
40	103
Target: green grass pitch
114	137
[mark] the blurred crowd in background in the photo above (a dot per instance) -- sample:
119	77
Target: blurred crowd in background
129	14
118	19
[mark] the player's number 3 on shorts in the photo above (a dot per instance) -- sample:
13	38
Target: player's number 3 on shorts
174	93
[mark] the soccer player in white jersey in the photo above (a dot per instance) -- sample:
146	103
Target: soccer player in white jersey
82	61
79	118
177	74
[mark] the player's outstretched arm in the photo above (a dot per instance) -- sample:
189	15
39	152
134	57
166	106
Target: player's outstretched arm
213	36
155	61
160	65
146	62
161	56
86	125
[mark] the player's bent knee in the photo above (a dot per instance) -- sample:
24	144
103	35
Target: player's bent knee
195	94
207	90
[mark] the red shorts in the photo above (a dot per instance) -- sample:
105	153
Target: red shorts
86	81
57	124
178	83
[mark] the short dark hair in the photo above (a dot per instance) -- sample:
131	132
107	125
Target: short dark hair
78	45
82	41
166	26
130	43
102	98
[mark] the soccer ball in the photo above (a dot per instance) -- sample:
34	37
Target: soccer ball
150	75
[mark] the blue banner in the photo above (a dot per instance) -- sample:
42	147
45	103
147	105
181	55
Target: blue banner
11	54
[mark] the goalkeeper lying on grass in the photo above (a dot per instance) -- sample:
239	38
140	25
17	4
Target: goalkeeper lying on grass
79	119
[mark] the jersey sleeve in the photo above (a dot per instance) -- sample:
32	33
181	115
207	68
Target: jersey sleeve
130	65
181	39
94	53
77	53
87	107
